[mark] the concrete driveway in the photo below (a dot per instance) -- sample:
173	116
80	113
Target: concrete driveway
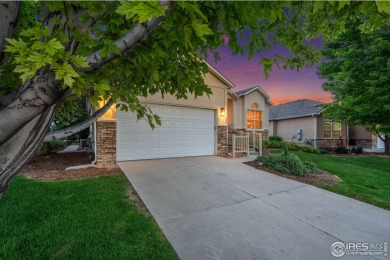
217	208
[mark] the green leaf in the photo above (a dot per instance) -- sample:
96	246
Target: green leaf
141	11
267	66
201	30
53	46
36	33
187	37
78	61
25	71
343	3
383	6
317	6
108	48
65	72
39	60
15	45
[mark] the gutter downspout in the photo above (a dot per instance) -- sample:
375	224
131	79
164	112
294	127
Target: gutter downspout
315	130
94	143
234	113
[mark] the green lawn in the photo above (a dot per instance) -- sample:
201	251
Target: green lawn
364	178
77	219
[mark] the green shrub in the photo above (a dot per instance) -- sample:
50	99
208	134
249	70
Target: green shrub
275	138
359	149
290	146
288	164
55	144
341	150
322	150
272	144
310	149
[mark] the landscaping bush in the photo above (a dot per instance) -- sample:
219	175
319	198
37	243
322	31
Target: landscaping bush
359	149
309	149
341	150
56	144
290	146
275	138
288	164
322	150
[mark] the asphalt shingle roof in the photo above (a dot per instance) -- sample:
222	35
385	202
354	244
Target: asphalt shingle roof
243	92
299	108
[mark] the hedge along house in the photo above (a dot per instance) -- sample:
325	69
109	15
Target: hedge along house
248	110
303	122
192	127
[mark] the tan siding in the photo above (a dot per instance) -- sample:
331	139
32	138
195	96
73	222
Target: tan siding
321	129
239	113
230	112
288	128
272	128
358	132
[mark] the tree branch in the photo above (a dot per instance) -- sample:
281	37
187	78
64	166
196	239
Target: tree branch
8	99
38	94
136	35
8	17
74	129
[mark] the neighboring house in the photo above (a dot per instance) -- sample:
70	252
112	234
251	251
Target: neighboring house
192	127
303	122
249	110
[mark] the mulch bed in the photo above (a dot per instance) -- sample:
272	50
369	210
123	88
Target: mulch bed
321	178
51	167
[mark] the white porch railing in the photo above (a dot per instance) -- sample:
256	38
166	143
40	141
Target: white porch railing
245	142
240	144
257	142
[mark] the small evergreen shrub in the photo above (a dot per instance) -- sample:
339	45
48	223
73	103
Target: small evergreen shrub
275	138
290	164
341	150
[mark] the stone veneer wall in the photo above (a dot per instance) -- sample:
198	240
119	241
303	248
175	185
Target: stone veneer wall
222	146
364	143
327	143
106	143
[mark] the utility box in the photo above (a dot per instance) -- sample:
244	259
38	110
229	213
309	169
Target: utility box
299	134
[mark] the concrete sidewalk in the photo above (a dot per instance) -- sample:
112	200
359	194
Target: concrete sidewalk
217	208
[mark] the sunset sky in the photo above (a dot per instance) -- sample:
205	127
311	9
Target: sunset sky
282	85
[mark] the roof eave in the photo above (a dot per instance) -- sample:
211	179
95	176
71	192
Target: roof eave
261	92
219	75
292	117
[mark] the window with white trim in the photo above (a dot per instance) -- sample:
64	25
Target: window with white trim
332	129
254	117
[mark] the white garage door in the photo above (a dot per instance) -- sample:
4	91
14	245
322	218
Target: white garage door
183	132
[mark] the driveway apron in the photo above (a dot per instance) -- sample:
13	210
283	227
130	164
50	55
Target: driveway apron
216	208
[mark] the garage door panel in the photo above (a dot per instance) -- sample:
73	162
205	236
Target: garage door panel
183	132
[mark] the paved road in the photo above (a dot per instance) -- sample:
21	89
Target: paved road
216	208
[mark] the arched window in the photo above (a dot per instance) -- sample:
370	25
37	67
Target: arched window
254	117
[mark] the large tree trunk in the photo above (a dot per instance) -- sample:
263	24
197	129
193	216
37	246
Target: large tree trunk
18	149
8	16
387	144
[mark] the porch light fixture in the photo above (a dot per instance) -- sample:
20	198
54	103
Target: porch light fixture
222	112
